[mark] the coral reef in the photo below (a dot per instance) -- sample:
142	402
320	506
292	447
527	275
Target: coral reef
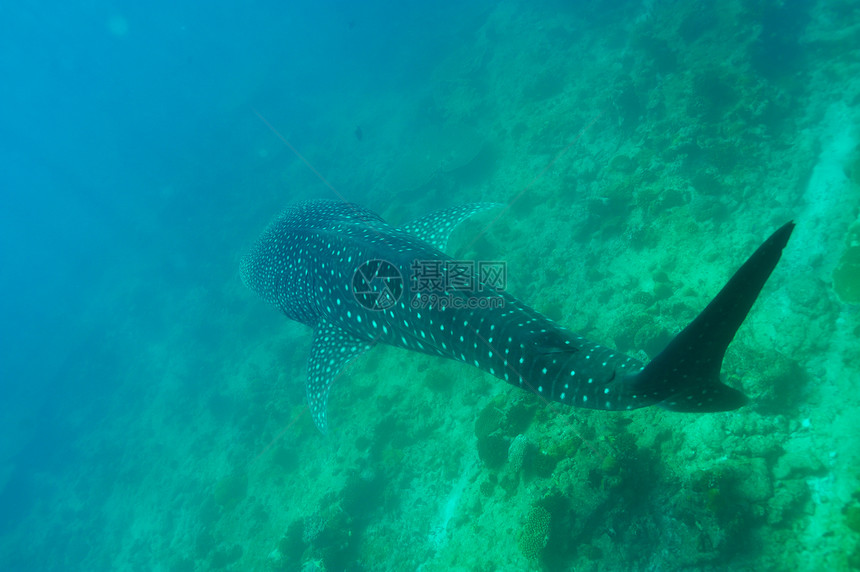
534	532
846	276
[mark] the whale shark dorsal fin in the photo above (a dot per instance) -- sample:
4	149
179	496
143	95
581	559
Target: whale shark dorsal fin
436	227
331	350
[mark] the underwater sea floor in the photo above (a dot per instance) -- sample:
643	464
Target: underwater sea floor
638	184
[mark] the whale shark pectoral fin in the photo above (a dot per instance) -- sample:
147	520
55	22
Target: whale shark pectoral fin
436	227
686	375
331	349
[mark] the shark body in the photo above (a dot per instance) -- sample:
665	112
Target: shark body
345	272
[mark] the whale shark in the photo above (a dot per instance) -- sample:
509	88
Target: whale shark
359	281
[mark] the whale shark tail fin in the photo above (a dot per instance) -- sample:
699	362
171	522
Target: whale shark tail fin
685	376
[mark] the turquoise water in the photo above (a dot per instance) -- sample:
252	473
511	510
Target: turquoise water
153	413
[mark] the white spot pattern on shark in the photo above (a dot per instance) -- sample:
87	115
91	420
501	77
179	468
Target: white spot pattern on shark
306	260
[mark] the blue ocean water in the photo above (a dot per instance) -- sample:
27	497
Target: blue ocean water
153	413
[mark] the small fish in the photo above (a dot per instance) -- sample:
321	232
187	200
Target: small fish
349	275
359	134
